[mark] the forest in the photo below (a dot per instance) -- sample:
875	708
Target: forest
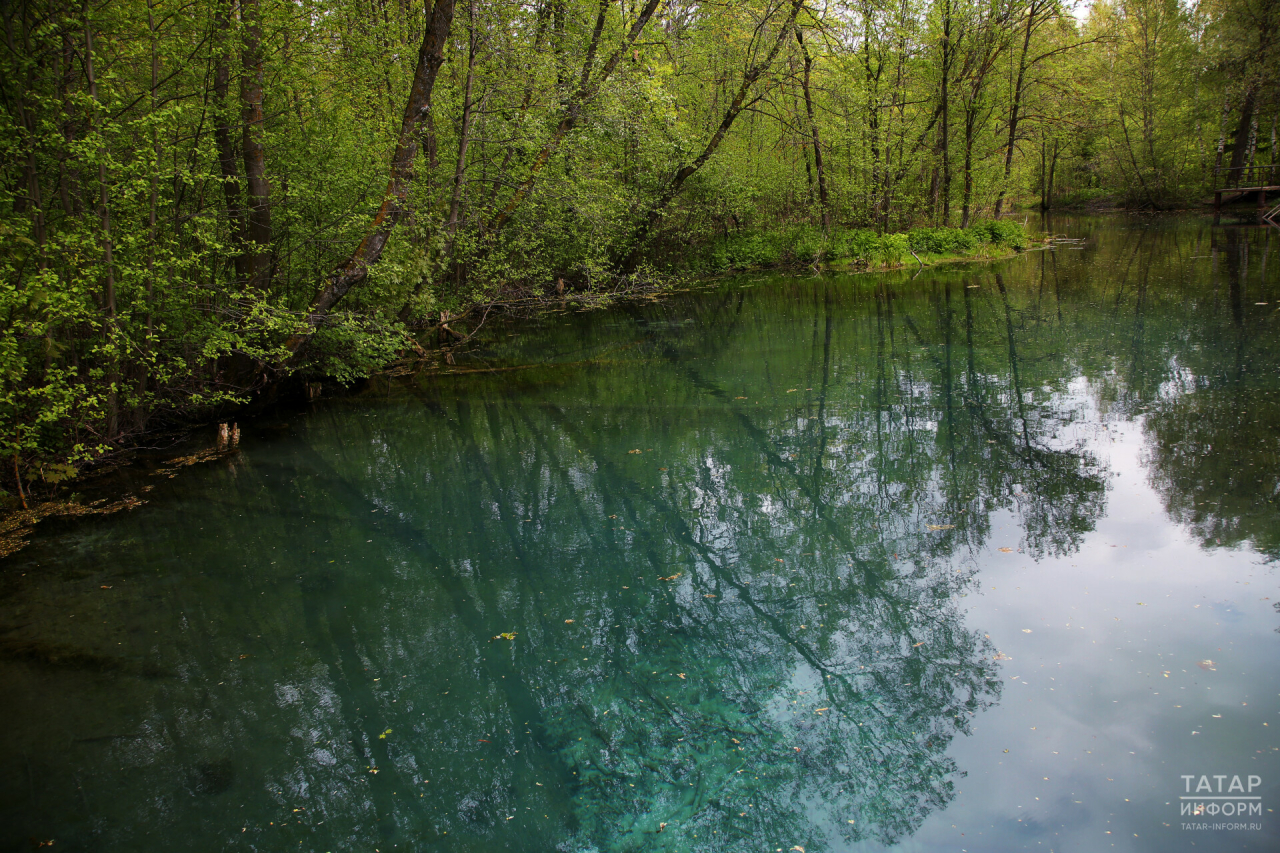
200	198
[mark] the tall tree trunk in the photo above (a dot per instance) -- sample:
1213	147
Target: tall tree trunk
224	141
970	120
824	202
1222	141
68	186
253	148
1033	10
153	202
1240	147
945	142
1053	168
464	131
104	215
394	200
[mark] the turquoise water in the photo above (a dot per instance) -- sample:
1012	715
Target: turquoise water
976	558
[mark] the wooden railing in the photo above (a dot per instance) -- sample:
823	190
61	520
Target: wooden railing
1233	177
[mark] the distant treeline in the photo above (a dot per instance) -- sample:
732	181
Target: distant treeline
200	196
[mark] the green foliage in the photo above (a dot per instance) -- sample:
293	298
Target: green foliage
1001	232
141	281
944	241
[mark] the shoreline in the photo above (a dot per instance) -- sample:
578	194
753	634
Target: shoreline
17	521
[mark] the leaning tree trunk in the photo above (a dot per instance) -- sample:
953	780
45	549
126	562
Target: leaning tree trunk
735	108
823	201
589	86
1016	107
394	200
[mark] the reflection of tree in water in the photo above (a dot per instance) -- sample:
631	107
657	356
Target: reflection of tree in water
804	664
1215	451
815	544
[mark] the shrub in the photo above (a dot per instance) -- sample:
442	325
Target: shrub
857	245
942	241
892	249
1001	232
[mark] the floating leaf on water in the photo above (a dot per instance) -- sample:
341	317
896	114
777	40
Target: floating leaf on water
1006	550
670	577
637	450
1206	664
568	621
1026	630
940	527
508	635
918	645
680	675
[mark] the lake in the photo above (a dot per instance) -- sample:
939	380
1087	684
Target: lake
979	557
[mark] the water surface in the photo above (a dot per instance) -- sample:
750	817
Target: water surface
975	558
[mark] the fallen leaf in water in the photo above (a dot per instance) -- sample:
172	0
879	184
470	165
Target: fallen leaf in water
661	827
670	577
1206	664
1026	630
789	390
637	450
1001	656
1006	550
568	621
1142	604
939	527
820	710
918	645
798	847
739	398
680	675
735	740
708	596
105	586
509	635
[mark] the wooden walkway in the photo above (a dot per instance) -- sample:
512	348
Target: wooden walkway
1236	184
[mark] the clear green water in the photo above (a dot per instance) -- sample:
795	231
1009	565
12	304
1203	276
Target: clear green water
922	562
